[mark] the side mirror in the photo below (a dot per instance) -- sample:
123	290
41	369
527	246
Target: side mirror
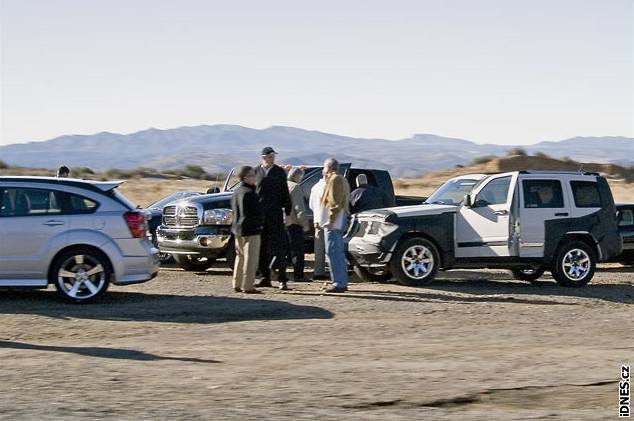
467	201
213	190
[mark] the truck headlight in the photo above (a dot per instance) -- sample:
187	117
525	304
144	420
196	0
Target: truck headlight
218	217
385	229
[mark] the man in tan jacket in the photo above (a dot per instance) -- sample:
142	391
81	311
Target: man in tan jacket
336	200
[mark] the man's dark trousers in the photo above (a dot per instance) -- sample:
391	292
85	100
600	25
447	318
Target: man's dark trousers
274	245
296	250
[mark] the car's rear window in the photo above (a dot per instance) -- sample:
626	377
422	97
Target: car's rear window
121	199
586	194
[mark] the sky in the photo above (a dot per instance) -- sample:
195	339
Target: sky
491	71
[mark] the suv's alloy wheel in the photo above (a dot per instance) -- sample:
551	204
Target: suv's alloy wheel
575	264
81	275
415	262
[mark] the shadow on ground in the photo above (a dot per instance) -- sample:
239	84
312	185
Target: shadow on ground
134	306
101	352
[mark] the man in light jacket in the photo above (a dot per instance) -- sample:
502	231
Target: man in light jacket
320	217
336	200
296	224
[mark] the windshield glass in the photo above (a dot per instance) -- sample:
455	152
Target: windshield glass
452	192
173	198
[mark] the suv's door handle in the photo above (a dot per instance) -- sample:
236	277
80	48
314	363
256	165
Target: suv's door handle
53	223
502	212
561	214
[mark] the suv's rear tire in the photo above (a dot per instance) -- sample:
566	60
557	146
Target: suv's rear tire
373	274
81	274
415	262
528	274
193	262
575	263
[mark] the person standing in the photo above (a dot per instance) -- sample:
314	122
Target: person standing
320	217
275	199
336	200
63	172
367	197
246	228
296	224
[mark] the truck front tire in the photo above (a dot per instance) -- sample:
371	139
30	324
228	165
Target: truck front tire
380	275
415	262
193	262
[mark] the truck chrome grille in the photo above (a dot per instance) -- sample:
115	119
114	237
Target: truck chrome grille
175	216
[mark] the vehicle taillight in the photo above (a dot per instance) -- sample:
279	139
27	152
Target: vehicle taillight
136	223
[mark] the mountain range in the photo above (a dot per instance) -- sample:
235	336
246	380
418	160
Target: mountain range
217	148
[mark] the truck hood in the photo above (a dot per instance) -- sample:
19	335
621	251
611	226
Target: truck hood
212	201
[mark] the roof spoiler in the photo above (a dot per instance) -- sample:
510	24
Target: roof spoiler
107	185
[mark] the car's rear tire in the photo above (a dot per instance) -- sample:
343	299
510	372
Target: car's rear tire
528	274
415	262
81	274
380	275
193	262
574	265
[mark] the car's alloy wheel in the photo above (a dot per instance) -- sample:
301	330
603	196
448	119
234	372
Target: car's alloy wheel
81	275
415	262
575	264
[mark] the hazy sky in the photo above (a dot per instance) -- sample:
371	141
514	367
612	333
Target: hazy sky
500	71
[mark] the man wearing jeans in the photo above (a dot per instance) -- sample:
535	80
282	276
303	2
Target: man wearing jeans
336	200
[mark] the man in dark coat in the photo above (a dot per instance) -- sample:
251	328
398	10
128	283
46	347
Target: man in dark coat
246	228
366	197
272	189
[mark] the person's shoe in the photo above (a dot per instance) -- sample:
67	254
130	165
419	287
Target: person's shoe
335	290
253	291
264	283
237	290
283	286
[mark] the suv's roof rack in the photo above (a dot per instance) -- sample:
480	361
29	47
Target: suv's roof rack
558	172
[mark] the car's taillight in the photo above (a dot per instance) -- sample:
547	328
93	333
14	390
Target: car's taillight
136	223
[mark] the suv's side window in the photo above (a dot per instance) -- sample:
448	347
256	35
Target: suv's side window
586	194
626	218
543	194
29	202
494	193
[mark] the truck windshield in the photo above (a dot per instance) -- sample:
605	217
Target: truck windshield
452	192
232	179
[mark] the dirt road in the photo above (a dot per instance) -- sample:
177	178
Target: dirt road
474	345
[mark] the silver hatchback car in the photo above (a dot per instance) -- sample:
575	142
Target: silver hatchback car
79	235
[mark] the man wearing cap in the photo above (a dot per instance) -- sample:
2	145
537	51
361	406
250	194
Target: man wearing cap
272	189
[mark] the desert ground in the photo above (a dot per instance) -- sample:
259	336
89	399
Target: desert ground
473	345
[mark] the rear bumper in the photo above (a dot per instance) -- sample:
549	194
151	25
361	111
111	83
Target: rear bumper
137	269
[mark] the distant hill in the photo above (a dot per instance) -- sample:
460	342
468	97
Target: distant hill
220	147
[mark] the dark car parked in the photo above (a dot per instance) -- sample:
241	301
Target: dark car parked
625	218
